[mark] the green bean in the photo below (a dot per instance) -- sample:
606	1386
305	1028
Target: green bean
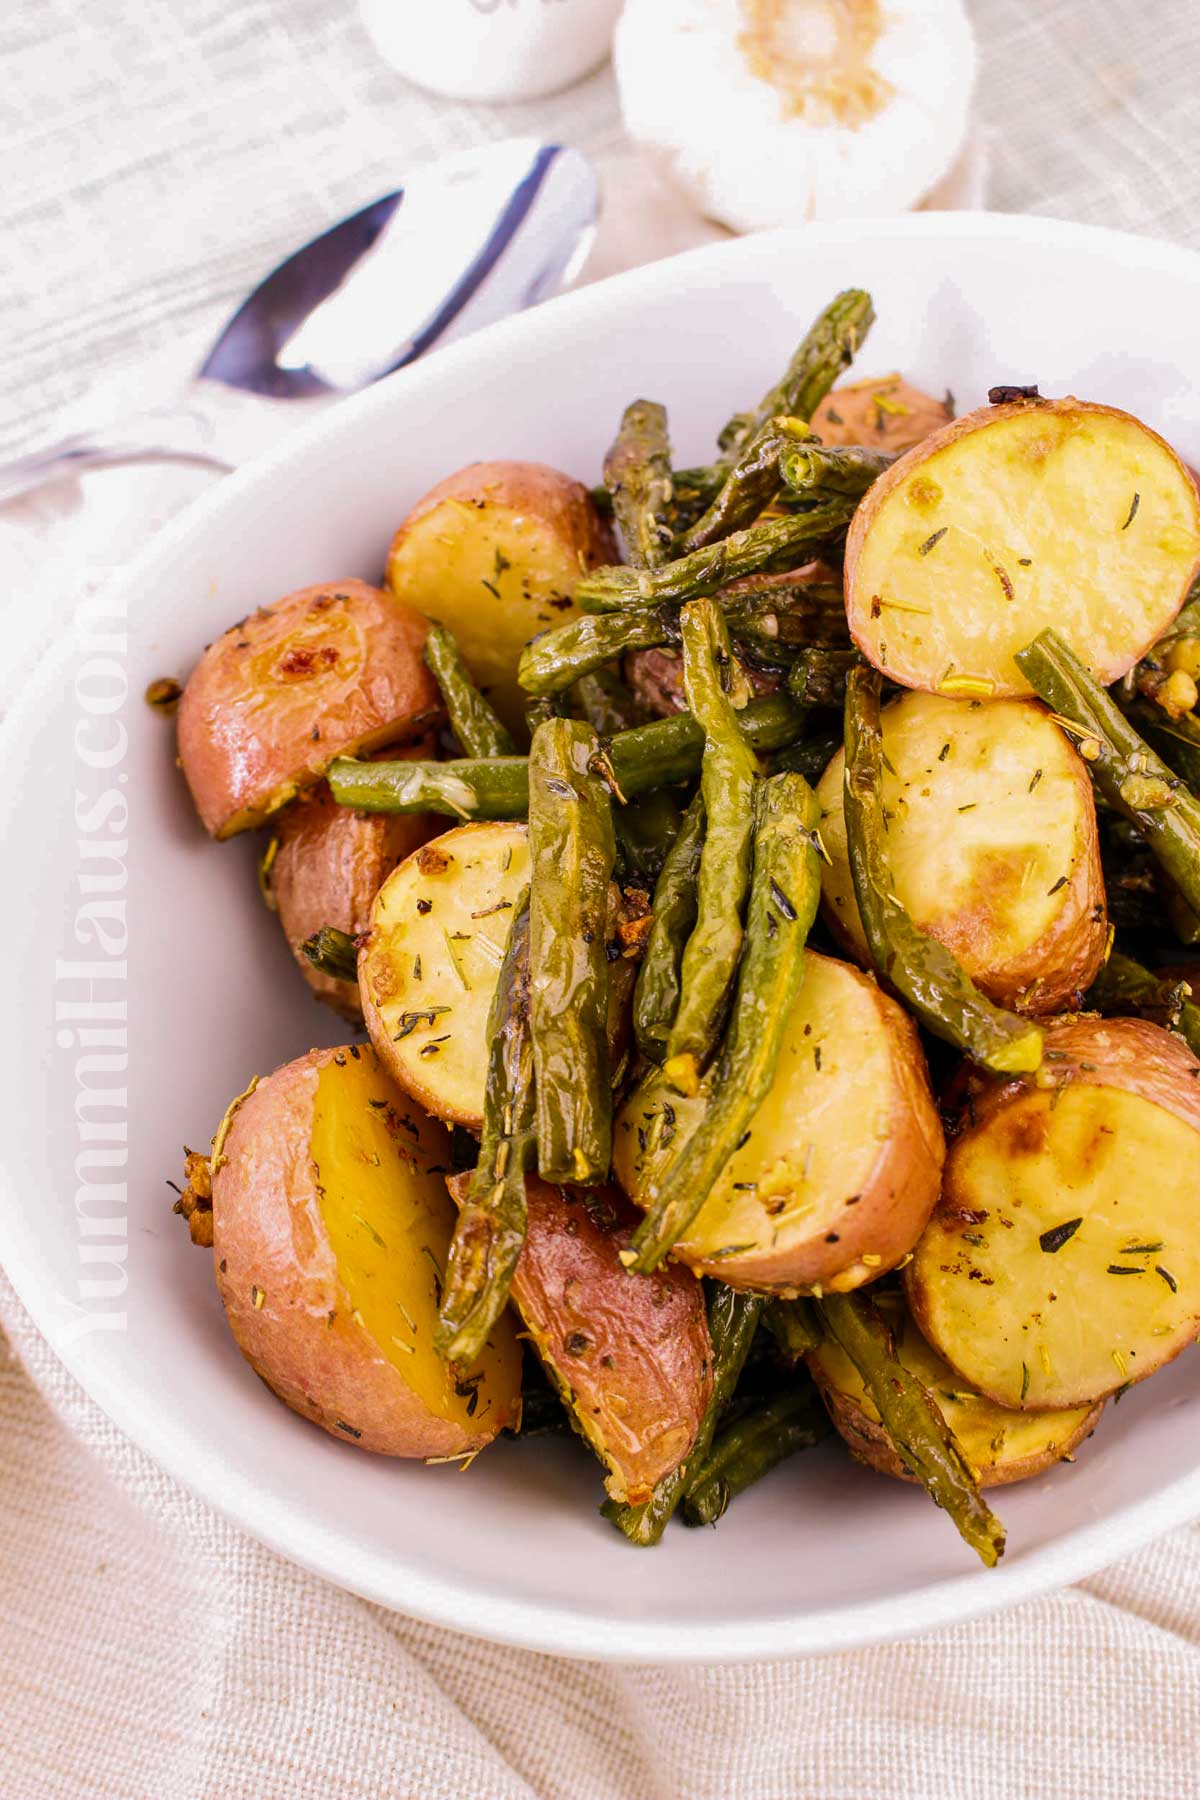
818	674
728	776
1129	775
792	1325
927	976
833	469
660	754
752	482
771	544
552	662
914	1424
810	757
637	473
784	892
605	702
572	848
489	1233
656	996
1124	986
777	613
732	1322
825	353
1176	740
472	720
332	952
646	830
751	1447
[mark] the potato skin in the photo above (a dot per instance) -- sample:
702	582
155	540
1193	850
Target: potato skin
494	552
301	1336
888	414
330	670
990	600
1039	974
330	864
832	1240
630	1352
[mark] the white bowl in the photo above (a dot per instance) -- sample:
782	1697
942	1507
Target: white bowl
821	1556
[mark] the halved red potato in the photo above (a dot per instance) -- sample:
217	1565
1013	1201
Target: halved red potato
333	670
836	1177
1063	1259
327	865
886	413
429	967
494	552
992	843
1000	1446
331	1226
630	1354
1014	518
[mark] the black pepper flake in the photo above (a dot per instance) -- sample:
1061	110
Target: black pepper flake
1060	883
1058	1235
1133	506
577	1343
1037	776
934	538
424	906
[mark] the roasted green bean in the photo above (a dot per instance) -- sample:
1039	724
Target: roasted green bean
332	952
472	720
751	483
750	1447
926	975
659	754
732	1322
836	469
637	473
785	889
818	674
728	776
1129	775
911	1418
489	1233
572	848
792	1325
772	544
829	348
552	662
1124	986
656	995
605	702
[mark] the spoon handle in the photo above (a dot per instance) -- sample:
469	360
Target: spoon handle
181	436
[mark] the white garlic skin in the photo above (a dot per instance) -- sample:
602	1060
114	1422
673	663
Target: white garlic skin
724	134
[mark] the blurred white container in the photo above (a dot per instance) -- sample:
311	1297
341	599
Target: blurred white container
492	49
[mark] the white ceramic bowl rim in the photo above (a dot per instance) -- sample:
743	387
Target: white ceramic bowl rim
438	1598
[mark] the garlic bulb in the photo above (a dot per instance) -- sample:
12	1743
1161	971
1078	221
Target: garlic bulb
772	112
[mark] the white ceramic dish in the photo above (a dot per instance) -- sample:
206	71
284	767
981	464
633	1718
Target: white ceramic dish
822	1556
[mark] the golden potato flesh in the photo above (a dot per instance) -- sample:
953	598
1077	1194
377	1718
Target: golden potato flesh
430	966
836	1177
333	670
992	843
328	864
1018	517
887	413
331	1226
1001	1446
494	552
1063	1259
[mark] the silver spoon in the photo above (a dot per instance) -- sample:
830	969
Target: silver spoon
471	238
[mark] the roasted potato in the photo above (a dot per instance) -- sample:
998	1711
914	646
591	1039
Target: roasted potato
326	863
494	553
1017	517
428	968
333	670
887	414
1000	1446
630	1354
1062	1261
992	842
836	1177
331	1226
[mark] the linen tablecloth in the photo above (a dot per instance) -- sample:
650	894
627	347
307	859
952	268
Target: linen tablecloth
157	155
